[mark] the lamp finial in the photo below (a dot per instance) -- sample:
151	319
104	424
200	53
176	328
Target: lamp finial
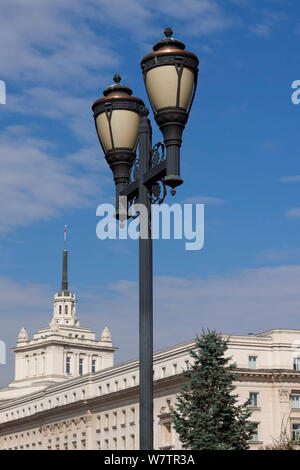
117	78
168	32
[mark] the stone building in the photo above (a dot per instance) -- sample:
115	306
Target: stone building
68	394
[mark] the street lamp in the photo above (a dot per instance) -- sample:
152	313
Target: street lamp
117	119
170	76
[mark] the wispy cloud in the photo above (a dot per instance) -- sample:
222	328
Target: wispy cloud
203	200
261	29
290	179
23	304
262	17
293	213
67	45
72	111
51	42
280	255
34	184
201	17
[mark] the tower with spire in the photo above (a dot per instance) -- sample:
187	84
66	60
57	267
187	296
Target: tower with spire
64	303
60	351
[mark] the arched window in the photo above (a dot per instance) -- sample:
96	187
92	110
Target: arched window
66	310
59	310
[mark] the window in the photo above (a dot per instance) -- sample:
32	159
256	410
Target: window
296	431
166	433
124	383
132	415
114	423
93	366
163	372
175	369
66	309
295	401
68	365
116	386
81	366
59	310
254	437
108	388
106	423
132	441
123	443
253	396
252	362
296	363
133	380
123	421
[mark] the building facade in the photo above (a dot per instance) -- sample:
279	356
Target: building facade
68	394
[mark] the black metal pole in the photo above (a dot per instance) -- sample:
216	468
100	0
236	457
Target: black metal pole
145	292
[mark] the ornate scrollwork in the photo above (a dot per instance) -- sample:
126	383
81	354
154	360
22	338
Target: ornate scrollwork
131	209
135	170
157	154
158	192
158	189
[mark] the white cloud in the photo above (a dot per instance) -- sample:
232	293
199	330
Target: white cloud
25	305
72	111
51	42
280	255
261	29
290	179
35	185
200	17
203	200
61	42
293	213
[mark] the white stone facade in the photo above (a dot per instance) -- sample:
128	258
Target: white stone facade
67	394
100	410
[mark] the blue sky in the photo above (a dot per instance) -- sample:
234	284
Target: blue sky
239	156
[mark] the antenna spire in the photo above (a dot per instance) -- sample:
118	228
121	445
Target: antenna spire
64	283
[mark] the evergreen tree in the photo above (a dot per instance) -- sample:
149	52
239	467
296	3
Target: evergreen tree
207	415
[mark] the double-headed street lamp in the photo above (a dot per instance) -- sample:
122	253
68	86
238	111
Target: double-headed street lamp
170	76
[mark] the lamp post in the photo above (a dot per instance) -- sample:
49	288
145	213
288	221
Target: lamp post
170	77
